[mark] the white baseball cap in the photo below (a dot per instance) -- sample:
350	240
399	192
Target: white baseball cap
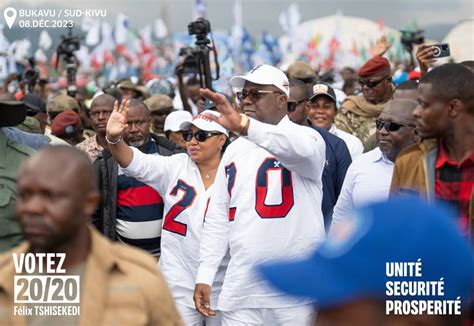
263	75
204	123
174	120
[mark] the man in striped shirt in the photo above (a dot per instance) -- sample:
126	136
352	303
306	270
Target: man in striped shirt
132	212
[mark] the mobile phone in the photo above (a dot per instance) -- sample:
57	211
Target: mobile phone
441	50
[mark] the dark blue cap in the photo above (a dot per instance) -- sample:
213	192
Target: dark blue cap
352	263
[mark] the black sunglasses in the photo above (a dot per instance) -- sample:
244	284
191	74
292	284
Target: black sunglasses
200	135
389	125
371	84
292	105
254	94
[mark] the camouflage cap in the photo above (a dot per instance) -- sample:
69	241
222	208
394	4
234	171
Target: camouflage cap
63	103
301	70
158	102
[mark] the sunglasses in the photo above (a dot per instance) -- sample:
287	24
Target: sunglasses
389	125
254	94
200	135
292	105
371	84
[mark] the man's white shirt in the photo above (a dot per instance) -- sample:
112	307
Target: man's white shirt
367	180
353	143
265	205
178	180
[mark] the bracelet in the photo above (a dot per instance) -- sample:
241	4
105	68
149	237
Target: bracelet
243	123
113	142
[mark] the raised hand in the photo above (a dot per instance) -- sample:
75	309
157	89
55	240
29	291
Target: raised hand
381	46
229	118
117	121
424	56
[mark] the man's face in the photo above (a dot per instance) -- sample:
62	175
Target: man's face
322	111
177	138
128	94
138	131
100	113
193	93
392	142
42	118
378	93
158	118
347	74
267	107
431	114
300	114
51	205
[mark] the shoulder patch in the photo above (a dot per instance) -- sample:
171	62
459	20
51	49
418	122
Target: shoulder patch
27	151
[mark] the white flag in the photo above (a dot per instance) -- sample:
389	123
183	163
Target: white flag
87	23
3	68
40	56
107	36
45	40
121	29
161	31
93	35
83	57
145	34
4	44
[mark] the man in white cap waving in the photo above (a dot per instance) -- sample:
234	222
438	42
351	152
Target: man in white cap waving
266	202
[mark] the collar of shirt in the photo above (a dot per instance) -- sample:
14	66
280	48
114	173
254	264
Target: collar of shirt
284	121
443	158
376	155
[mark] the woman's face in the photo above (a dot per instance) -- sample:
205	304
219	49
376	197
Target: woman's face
206	150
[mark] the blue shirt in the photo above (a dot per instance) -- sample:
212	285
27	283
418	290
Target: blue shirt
35	141
338	160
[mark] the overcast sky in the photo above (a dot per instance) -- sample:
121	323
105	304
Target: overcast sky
261	15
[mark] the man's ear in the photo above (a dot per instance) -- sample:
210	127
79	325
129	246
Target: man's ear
282	101
455	107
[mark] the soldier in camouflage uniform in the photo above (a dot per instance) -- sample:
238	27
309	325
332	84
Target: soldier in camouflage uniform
12	154
358	113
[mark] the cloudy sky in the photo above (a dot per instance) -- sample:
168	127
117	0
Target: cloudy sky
261	15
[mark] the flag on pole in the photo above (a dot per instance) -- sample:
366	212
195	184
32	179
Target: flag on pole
160	29
93	35
45	40
121	29
199	9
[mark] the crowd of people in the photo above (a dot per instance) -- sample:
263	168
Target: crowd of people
278	204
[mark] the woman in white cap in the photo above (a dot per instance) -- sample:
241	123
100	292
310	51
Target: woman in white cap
185	182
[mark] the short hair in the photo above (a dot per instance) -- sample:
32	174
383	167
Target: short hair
352	70
136	103
192	82
301	86
469	64
408	85
452	81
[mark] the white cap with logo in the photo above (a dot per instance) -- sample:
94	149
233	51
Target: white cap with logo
263	75
174	120
204	123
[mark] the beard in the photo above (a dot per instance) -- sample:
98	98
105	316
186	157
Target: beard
136	143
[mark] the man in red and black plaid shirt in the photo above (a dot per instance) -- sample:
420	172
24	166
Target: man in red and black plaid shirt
454	182
441	167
